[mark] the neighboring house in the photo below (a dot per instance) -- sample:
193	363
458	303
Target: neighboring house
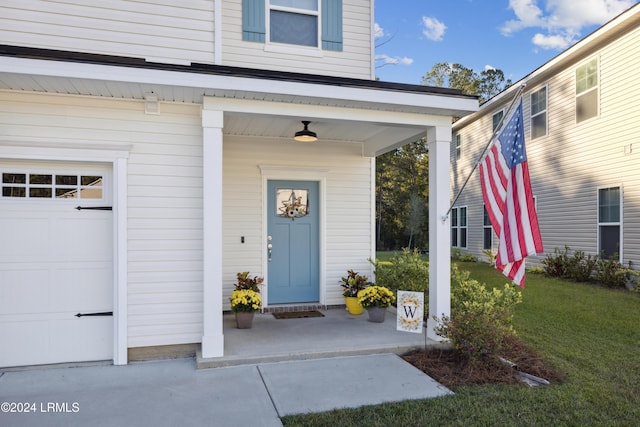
171	124
582	138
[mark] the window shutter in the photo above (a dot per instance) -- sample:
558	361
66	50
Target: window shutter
331	24
253	20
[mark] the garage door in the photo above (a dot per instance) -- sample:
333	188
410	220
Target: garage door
56	264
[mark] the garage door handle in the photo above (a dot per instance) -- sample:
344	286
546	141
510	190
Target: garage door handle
104	313
94	208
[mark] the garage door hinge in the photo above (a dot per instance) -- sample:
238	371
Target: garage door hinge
94	208
104	313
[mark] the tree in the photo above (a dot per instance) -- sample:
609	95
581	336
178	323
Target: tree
400	174
415	218
485	84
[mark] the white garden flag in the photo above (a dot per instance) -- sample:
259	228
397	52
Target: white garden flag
410	311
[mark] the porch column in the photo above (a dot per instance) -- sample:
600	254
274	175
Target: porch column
439	140
213	338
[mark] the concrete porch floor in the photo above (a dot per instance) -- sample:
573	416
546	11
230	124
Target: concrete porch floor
336	334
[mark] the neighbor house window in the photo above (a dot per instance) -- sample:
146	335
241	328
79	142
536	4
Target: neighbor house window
458	145
587	91
539	113
609	224
497	117
459	227
307	23
487	231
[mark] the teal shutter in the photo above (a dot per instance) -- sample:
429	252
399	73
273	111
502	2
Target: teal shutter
253	20
331	24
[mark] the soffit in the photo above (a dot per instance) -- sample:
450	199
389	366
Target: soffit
378	117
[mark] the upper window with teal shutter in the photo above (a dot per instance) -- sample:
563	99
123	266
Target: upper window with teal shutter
296	22
253	20
332	24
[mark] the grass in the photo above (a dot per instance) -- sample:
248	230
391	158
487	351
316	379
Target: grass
591	333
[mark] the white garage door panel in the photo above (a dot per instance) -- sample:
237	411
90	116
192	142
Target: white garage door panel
55	262
89	284
51	338
28	295
21	235
87	228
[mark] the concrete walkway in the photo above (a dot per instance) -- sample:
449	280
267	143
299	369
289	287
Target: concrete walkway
175	393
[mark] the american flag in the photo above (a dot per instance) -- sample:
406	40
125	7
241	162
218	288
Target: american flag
504	175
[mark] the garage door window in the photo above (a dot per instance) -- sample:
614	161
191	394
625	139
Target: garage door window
51	186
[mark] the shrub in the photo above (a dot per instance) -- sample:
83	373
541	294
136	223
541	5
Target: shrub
458	255
556	265
491	255
481	319
535	270
406	271
468	258
610	273
580	266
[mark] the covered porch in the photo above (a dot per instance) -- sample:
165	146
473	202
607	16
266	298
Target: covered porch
204	132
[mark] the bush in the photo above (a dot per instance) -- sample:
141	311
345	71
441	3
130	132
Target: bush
580	266
407	271
610	273
536	270
491	255
481	319
458	255
557	265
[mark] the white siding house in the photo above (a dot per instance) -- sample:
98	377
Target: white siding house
583	141
173	134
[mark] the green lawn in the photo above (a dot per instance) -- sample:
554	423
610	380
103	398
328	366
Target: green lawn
591	333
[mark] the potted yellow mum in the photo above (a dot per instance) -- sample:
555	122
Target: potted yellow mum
244	304
245	299
376	299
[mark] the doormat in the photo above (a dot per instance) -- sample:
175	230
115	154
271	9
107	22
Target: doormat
297	314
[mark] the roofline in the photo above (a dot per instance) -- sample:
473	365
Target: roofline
575	53
222	70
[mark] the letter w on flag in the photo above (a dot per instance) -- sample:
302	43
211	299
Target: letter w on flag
504	175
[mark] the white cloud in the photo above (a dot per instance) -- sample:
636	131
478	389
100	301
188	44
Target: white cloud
394	60
378	32
562	20
557	41
528	14
433	29
489	67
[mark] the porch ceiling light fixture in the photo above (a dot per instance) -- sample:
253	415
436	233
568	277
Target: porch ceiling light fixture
305	135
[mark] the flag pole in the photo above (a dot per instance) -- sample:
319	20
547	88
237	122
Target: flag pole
486	147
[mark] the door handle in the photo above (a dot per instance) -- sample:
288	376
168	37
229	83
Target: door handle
269	248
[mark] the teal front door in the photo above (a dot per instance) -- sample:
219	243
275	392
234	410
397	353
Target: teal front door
293	242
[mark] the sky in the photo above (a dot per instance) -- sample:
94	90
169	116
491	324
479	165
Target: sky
515	36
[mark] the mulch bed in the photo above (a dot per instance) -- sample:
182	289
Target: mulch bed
450	368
